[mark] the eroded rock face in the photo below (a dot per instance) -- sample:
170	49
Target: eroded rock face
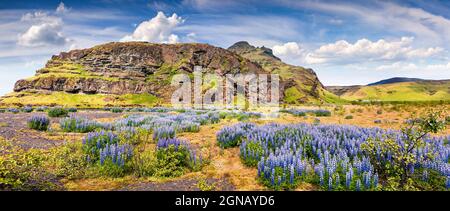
131	68
141	67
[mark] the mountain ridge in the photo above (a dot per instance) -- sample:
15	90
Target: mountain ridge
114	69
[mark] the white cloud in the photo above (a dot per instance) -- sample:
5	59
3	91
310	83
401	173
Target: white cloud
46	30
405	67
62	8
290	52
365	50
398	66
158	29
387	16
336	21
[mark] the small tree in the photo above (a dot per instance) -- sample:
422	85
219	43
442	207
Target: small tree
402	152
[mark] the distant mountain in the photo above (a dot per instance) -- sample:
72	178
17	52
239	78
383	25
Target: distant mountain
396	89
395	80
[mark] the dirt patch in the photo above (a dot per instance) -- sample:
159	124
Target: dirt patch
14	127
179	185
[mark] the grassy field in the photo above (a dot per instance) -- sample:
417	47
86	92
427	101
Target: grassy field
406	91
79	100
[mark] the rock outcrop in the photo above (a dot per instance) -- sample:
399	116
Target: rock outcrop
140	67
301	85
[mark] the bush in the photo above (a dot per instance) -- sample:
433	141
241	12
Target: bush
164	132
72	110
23	170
70	161
117	110
174	156
400	170
349	117
27	109
41	108
57	112
379	112
2	110
95	141
78	125
13	110
232	136
322	112
316	121
377	121
144	164
251	152
39	123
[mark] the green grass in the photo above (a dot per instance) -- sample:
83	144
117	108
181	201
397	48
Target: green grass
292	95
407	91
68	70
80	100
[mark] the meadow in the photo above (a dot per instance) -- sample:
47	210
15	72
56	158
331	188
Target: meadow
335	147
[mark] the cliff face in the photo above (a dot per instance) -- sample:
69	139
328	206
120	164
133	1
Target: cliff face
147	68
130	68
301	85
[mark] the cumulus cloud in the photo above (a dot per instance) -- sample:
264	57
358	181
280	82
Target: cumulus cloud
45	30
158	29
290	52
365	50
61	8
387	15
406	67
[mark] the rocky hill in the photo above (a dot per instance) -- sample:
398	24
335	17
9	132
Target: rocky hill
143	71
392	91
302	84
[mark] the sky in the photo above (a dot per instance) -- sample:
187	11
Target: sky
345	42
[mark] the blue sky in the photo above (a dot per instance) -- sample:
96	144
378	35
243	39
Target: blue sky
345	42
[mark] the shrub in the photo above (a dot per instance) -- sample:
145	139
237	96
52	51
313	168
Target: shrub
27	109
113	158
447	119
69	160
379	112
316	121
2	110
39	123
41	108
322	112
95	141
57	112
72	110
23	170
232	136
349	117
144	164
78	125
377	121
117	110
174	156
400	171
13	110
251	152
163	132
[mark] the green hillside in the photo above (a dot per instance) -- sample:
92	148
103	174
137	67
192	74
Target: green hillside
404	91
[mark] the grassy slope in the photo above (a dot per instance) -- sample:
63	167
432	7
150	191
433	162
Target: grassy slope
300	92
405	91
79	100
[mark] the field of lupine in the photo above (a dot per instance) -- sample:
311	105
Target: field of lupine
332	156
155	145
